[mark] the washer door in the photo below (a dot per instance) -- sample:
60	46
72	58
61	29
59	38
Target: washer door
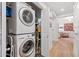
27	16
26	48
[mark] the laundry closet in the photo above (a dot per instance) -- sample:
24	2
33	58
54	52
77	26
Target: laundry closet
39	29
20	29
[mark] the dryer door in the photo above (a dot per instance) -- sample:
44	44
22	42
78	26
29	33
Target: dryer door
26	48
27	16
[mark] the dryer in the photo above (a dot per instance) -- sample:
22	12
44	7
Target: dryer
23	19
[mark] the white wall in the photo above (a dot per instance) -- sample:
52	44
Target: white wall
76	23
49	34
53	28
3	29
0	28
44	33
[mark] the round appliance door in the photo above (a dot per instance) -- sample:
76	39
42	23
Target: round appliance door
27	16
26	48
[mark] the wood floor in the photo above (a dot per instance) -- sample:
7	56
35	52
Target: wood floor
62	48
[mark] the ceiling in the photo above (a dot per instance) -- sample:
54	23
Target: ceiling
61	8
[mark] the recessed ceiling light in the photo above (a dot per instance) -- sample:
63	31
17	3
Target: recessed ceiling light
70	20
78	6
62	9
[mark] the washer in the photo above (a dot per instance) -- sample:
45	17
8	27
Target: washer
23	19
24	45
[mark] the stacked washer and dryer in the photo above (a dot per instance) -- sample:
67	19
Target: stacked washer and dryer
22	30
